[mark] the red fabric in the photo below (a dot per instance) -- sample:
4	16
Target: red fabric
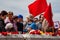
35	32
37	7
14	33
48	15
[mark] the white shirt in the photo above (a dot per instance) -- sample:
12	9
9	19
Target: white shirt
6	20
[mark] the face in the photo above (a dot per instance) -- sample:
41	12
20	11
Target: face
10	16
41	18
28	19
4	17
20	19
35	20
15	19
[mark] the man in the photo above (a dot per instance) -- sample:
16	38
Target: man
20	24
39	23
31	23
20	18
9	17
2	18
15	18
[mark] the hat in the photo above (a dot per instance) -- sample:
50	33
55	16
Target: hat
9	25
30	16
20	16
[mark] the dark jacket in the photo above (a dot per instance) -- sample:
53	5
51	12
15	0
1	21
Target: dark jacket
2	25
20	26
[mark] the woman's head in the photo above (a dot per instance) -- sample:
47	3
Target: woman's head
41	17
10	14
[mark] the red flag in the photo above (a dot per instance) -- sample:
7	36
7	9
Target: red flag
48	15
37	7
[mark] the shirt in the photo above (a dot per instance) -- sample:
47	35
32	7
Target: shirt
2	25
39	25
33	26
7	20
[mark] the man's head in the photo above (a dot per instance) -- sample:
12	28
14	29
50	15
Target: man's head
20	18
3	14
15	18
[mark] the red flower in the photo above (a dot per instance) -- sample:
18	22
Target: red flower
37	32
4	33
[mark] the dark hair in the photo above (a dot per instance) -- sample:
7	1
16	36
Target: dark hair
0	14
3	13
40	15
36	18
10	13
15	17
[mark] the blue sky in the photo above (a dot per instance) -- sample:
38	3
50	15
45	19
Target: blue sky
20	7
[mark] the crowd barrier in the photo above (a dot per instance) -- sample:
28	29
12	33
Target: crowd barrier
29	37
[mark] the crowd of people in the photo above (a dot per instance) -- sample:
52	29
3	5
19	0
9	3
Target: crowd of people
12	23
